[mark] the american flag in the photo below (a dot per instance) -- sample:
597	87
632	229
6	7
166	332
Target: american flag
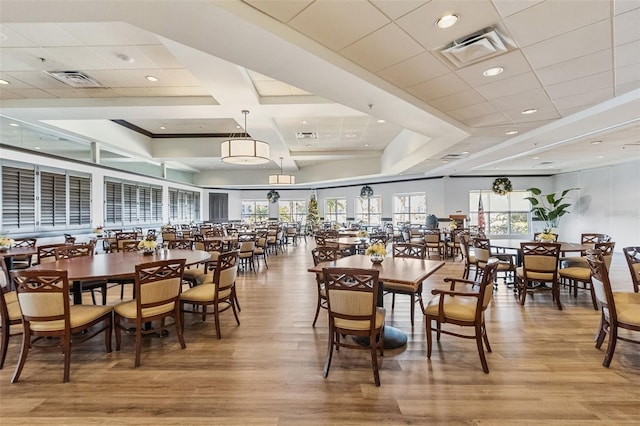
480	215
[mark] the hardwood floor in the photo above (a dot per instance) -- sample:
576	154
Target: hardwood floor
544	368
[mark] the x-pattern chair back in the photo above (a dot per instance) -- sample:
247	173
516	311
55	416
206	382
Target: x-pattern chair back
180	244
409	250
77	250
632	255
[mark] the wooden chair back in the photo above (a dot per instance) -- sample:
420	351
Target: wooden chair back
68	251
47	253
180	244
540	261
409	250
632	256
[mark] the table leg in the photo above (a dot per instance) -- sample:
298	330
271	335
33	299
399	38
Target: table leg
77	293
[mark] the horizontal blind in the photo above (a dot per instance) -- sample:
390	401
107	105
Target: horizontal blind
173	204
113	203
18	199
130	203
79	200
144	193
53	199
156	200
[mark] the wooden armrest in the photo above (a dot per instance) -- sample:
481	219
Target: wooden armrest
454	281
453	293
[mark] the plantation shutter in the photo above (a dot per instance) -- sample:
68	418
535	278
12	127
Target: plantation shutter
113	203
156	199
53	199
79	200
18	199
130	201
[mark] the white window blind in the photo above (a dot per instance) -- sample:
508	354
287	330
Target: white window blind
18	199
53	199
79	200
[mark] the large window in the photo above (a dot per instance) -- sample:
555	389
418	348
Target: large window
128	203
292	211
335	210
36	198
184	206
369	210
410	208
254	211
503	214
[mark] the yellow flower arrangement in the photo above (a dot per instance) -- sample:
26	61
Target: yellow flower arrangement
147	245
546	235
6	242
363	234
453	225
377	249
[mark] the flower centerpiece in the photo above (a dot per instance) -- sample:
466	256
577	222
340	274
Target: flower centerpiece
453	225
377	252
148	245
5	243
546	236
98	230
363	235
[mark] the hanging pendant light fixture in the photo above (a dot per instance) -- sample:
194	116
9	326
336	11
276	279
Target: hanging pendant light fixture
245	150
281	178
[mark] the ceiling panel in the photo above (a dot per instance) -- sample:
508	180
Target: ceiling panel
575	68
414	70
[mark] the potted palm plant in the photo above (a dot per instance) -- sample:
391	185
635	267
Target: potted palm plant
548	207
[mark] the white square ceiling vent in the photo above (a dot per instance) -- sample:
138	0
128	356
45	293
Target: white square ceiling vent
475	47
306	135
76	79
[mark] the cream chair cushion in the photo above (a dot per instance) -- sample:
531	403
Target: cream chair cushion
203	293
456	308
361	325
576	273
79	316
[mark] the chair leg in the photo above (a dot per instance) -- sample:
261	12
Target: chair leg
593	297
479	343
26	342
138	344
556	292
235	313
427	326
4	340
413	307
327	362
66	348
179	326
485	337
374	359
602	333
107	333
315	318
118	329
235	299
216	315
611	347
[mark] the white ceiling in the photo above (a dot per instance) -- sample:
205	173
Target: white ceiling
363	80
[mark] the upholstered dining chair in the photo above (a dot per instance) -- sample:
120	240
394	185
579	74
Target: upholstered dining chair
463	307
619	310
322	254
68	251
219	293
247	244
469	259
578	276
46	312
157	288
414	291
10	314
125	237
25	261
260	252
434	243
539	266
352	296
632	256
47	253
483	252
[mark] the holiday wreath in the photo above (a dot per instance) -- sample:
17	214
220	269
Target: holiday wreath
502	186
273	196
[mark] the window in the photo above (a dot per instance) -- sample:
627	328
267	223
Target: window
79	200
156	204
113	203
369	210
53	199
18	199
129	203
335	210
184	206
410	208
292	211
254	211
504	214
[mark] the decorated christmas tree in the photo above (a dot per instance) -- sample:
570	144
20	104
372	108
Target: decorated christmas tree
312	214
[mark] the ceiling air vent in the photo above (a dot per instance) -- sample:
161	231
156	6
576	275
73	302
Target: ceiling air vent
475	47
306	135
453	156
76	79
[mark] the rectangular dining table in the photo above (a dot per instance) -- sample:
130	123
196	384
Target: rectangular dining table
392	269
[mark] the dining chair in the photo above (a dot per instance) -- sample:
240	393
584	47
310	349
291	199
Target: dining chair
352	296
574	276
125	246
47	253
434	243
10	314
506	264
246	255
261	248
619	310
462	307
46	312
219	293
469	259
453	245
322	254
68	251
157	288
539	266
24	261
414	291
632	256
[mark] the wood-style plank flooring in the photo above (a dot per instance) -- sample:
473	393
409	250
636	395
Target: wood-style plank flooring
268	371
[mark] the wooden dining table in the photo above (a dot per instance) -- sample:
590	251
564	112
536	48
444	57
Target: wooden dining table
8	255
514	244
115	265
392	269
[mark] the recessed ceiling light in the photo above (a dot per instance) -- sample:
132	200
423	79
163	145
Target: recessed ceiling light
366	144
308	145
349	135
511	132
536	158
596	142
444	161
465	152
163	128
381	121
4	82
600	156
304	121
493	71
447	21
529	111
125	58
151	78
14	125
36	147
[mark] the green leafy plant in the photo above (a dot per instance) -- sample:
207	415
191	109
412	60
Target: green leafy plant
312	213
548	207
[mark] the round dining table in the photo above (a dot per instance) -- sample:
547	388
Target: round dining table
115	265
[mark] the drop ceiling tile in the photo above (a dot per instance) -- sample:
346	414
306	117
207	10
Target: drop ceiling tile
543	114
9	94
509	7
420	68
510	86
626	27
622	6
382	48
628	74
77	58
471	111
574	44
38	79
32	93
621	89
549	19
421	23
513	63
438	87
627	54
458	100
68	93
282	10
584	100
338	24
537	98
582	85
45	34
97	33
575	68
395	9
